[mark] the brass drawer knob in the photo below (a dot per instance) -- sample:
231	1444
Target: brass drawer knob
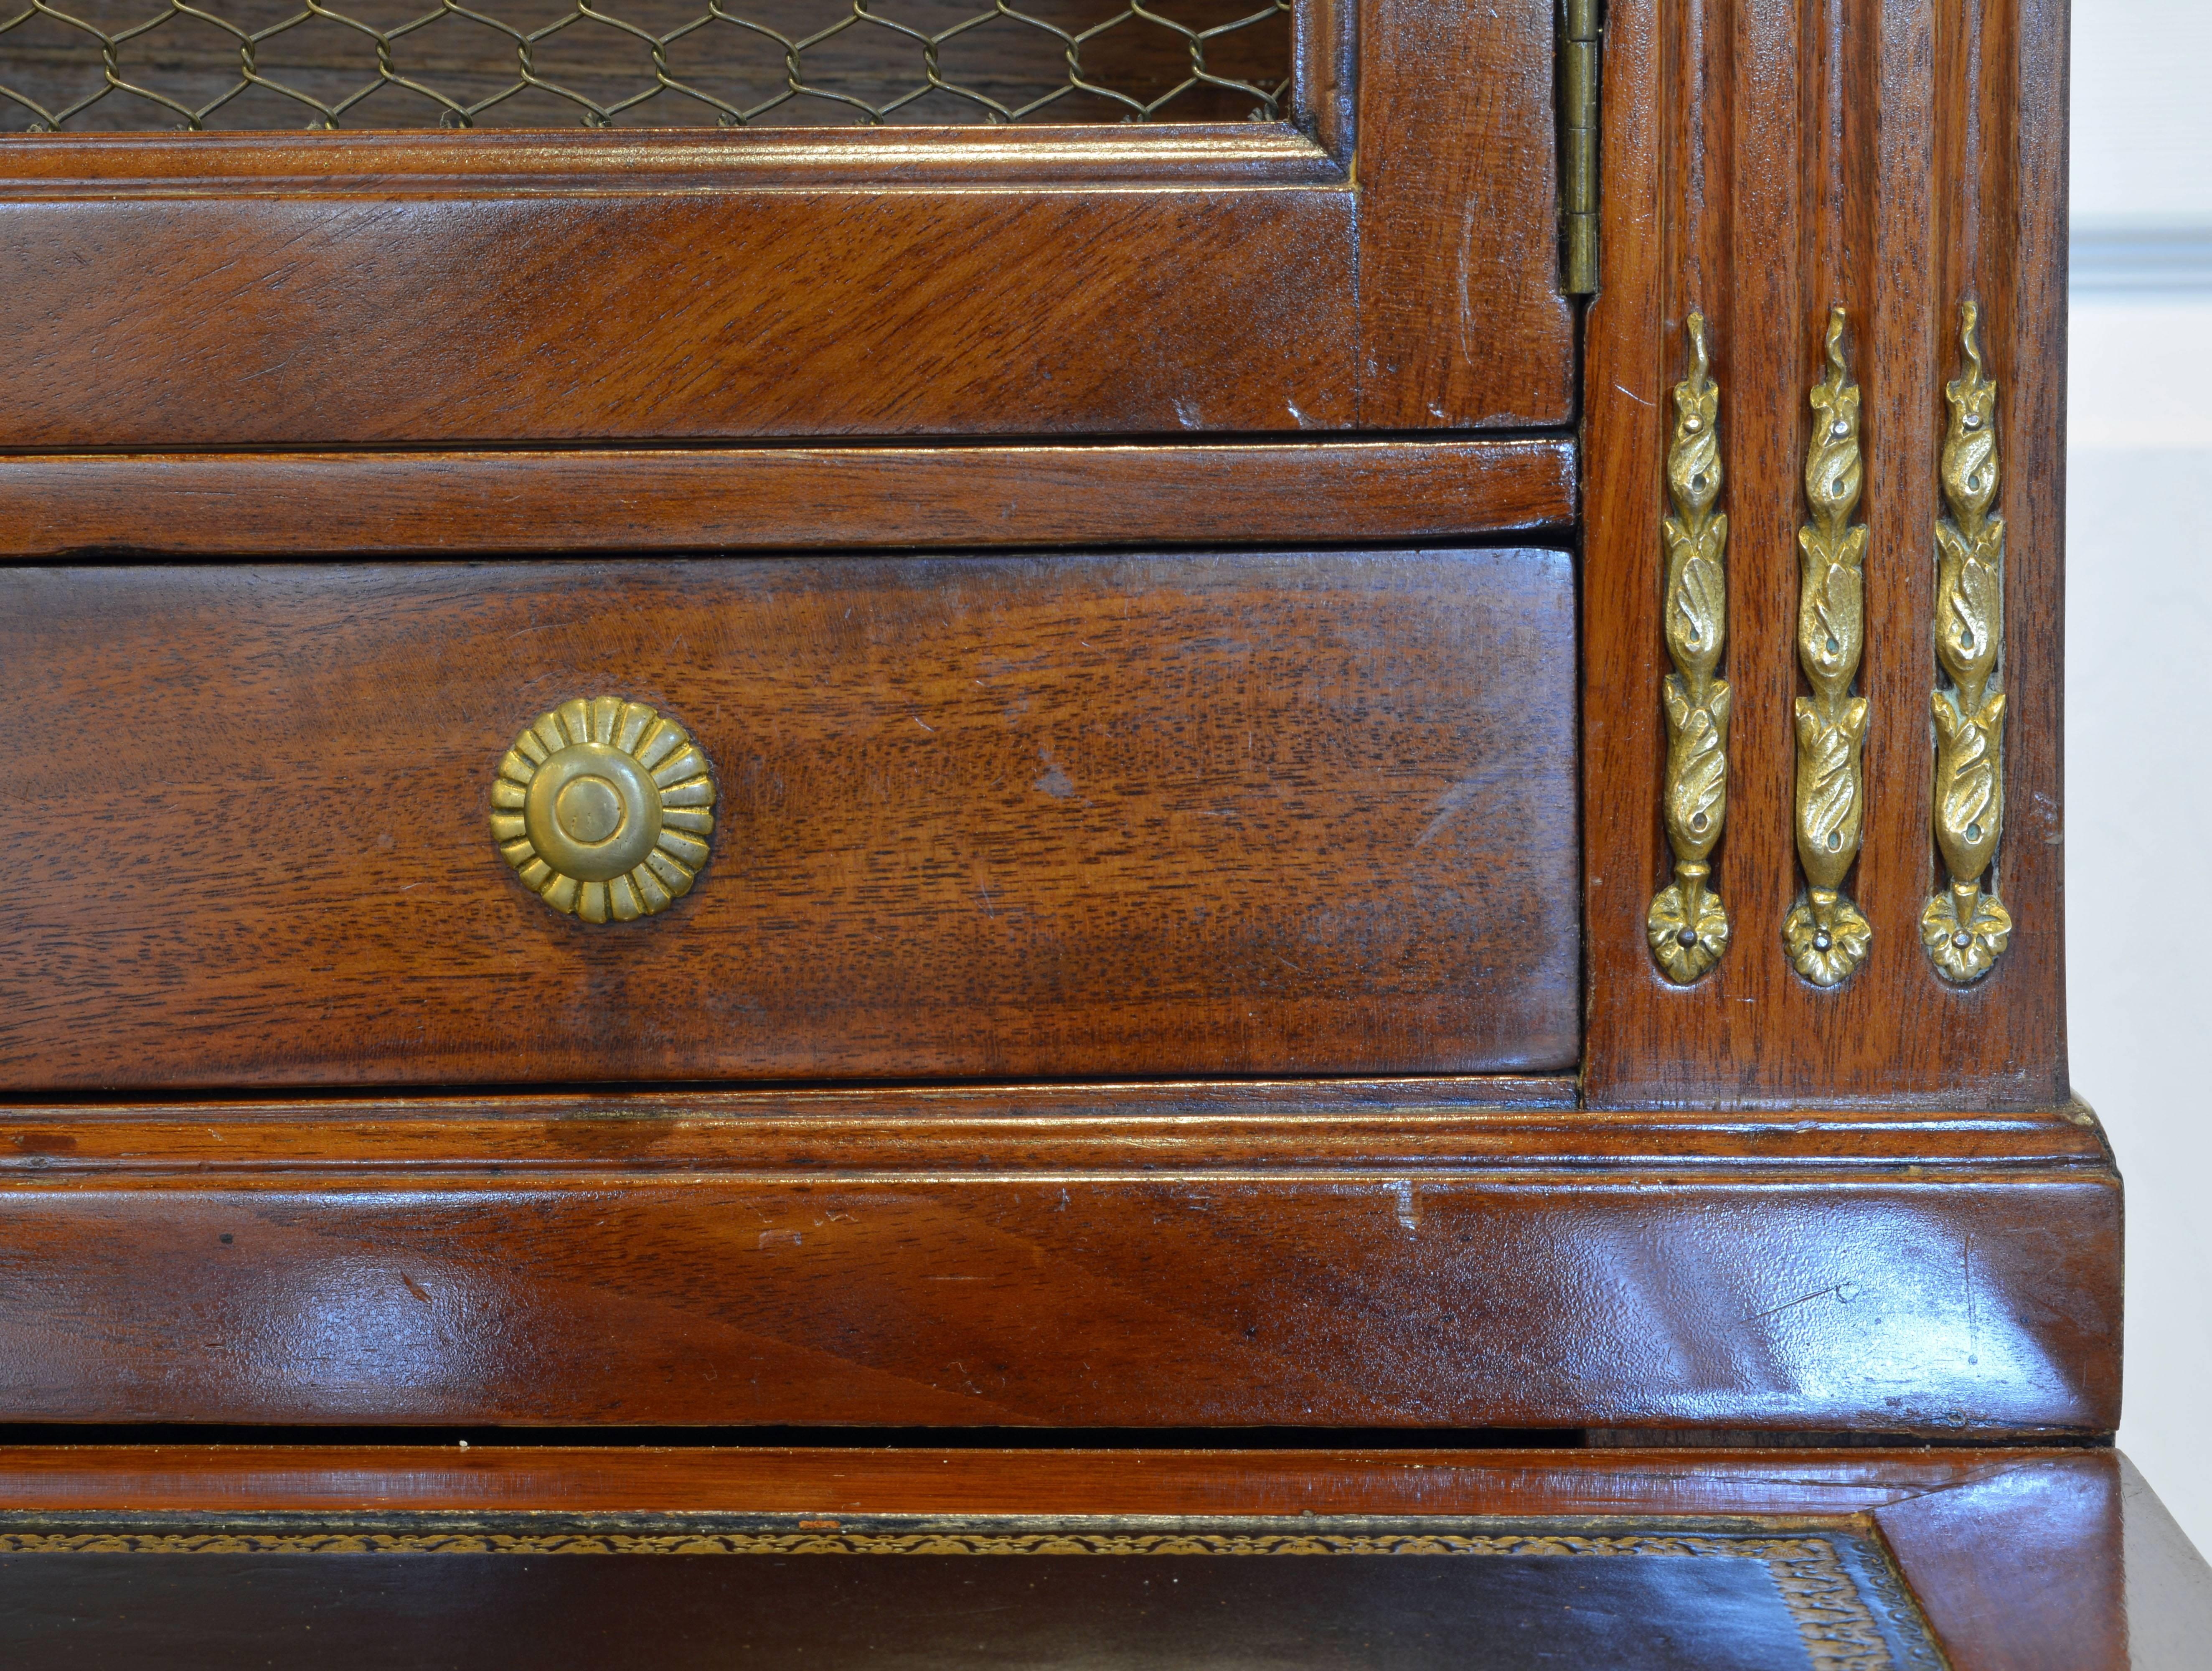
604	809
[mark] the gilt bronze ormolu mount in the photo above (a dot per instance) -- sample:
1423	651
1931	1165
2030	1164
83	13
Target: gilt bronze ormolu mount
1688	923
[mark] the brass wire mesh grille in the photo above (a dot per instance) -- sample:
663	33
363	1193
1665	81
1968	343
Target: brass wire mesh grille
133	66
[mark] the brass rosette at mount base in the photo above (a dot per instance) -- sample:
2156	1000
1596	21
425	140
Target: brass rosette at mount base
604	809
1966	927
1826	934
1687	925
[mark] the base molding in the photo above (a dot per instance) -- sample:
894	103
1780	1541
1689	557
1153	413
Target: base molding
1410	1254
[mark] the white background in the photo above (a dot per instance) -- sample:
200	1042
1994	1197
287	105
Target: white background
2139	707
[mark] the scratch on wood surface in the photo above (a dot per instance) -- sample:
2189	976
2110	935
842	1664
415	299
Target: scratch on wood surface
1409	1211
1973	1319
1451	801
1844	1292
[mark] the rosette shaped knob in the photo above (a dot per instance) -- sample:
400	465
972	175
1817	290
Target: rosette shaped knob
604	809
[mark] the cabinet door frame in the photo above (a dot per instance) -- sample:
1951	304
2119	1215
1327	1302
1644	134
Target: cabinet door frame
1387	259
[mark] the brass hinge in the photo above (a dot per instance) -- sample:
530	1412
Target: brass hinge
1579	52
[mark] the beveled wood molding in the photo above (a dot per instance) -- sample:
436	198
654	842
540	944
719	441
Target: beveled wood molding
1434	1126
1167	155
705	499
1764	163
172	1478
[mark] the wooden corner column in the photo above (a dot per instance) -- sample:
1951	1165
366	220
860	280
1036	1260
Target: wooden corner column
1766	166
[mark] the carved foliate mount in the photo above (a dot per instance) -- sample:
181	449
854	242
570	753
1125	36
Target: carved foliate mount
1967	927
1687	924
1826	933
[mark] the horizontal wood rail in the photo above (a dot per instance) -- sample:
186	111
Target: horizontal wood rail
428	503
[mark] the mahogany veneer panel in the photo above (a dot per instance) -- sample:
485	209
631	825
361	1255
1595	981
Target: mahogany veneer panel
1459	243
1375	1256
708	499
981	817
302	321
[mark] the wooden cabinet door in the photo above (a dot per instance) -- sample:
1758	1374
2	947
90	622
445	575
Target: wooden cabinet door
1373	243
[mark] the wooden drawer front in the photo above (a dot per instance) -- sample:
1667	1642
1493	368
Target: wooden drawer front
1070	816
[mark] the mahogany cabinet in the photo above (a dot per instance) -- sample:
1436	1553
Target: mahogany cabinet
1312	748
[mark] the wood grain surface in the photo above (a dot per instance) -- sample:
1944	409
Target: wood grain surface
2026	1569
1765	161
1460	313
403	289
224	319
611	500
982	817
1386	1256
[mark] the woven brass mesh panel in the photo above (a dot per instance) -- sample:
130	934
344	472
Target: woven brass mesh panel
126	65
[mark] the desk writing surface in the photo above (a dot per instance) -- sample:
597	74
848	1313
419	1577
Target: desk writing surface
675	1592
